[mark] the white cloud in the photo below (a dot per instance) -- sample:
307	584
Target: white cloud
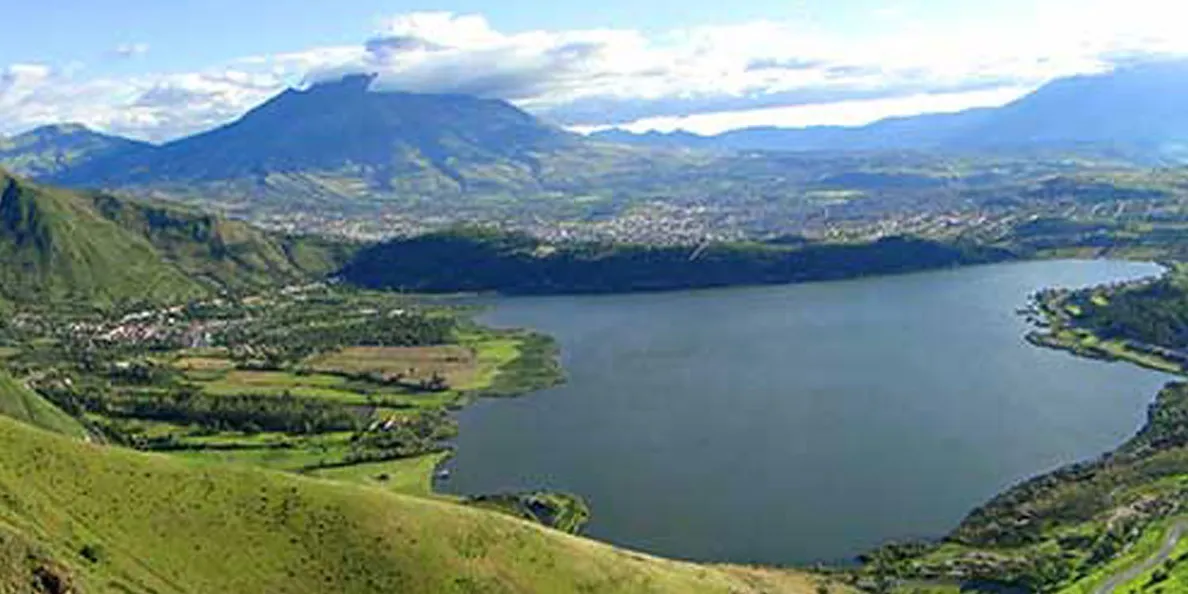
856	112
154	107
763	72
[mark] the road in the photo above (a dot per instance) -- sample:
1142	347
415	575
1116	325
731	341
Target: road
1164	552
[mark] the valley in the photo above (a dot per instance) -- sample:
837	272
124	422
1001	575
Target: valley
312	380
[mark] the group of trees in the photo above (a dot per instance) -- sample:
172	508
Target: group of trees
402	438
249	413
287	343
483	260
1155	313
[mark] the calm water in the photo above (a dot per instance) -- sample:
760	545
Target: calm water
800	423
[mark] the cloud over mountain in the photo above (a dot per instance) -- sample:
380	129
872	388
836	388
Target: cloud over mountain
601	76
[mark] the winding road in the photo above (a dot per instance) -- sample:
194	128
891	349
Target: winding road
1169	545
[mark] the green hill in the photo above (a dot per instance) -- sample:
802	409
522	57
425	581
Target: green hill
49	150
59	246
22	404
82	517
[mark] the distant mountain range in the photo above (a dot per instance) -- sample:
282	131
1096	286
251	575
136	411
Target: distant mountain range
336	143
1136	111
340	146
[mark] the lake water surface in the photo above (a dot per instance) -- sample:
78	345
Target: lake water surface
800	423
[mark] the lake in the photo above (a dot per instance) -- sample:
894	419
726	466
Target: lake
802	423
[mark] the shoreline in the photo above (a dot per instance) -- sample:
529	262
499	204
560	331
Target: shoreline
1054	327
957	560
1035	338
535	367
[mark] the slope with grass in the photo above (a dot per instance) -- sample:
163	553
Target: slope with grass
100	519
56	246
61	246
23	404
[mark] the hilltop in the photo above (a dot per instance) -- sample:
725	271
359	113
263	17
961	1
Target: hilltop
79	517
50	150
57	245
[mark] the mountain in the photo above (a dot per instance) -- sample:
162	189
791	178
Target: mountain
51	150
77	517
919	132
1139	106
58	245
1134	111
343	134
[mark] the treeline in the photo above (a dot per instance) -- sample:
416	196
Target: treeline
297	341
402	438
487	260
248	413
1154	313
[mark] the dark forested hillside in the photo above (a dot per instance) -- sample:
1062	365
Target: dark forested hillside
483	260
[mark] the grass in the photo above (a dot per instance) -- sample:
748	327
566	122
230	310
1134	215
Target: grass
482	362
562	511
111	520
286	459
492	354
23	404
277	383
1146	546
410	476
269	450
211	364
514	363
1085	343
458	365
1176	575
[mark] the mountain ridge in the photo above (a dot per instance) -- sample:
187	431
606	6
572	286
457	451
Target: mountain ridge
1131	110
51	150
98	248
342	128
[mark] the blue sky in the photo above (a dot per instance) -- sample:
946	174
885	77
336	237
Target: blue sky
157	69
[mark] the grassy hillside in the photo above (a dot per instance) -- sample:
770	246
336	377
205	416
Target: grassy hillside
99	519
22	404
54	245
57	245
220	252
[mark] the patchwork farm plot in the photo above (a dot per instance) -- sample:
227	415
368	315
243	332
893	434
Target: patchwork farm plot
323	381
